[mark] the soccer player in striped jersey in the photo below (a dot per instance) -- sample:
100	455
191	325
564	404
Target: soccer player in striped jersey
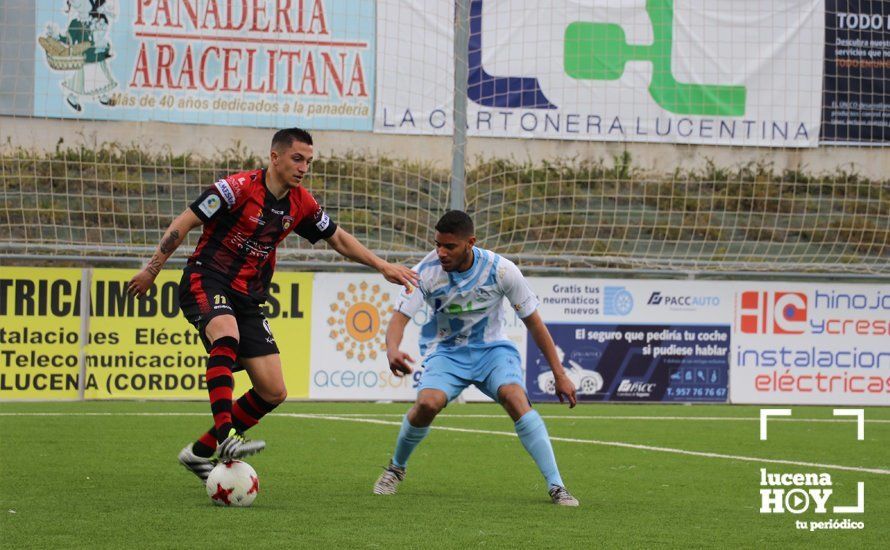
245	217
464	343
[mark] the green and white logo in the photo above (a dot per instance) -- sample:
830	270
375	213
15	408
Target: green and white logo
599	51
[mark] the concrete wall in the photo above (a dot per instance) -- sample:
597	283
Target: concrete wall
44	134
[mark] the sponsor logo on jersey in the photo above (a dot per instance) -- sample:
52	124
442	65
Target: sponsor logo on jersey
226	191
258	218
322	221
209	206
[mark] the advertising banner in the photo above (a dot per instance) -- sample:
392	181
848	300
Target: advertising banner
856	90
352	312
634	340
135	348
262	63
826	344
145	348
654	71
40	338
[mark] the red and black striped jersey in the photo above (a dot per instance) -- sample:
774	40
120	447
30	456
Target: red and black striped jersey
243	225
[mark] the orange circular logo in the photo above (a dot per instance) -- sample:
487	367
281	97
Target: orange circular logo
362	321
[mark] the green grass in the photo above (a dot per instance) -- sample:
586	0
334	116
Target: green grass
76	480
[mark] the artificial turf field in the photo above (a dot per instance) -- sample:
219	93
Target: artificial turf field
99	474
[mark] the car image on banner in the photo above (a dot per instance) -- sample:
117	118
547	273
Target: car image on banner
586	381
630	362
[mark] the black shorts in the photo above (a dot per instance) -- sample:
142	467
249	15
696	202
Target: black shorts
201	298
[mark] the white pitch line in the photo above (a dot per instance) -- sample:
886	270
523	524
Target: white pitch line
621	444
611	417
879	471
495	416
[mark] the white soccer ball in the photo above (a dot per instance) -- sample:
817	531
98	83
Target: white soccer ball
233	483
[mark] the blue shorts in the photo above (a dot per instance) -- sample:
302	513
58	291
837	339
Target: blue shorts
451	371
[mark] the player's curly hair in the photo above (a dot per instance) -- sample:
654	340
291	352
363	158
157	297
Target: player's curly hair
456	222
285	138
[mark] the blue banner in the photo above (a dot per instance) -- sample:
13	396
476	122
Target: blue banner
629	362
856	89
262	63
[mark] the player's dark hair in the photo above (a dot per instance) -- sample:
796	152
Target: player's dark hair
457	223
285	138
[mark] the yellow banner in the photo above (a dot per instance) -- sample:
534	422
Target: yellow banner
145	349
39	333
136	348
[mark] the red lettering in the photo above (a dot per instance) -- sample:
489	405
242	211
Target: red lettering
862	326
187	72
211	9
317	16
358	78
165	62
230	17
230	69
259	8
329	69
164	8
141	69
273	87
281	14
761	382
191	11
309	77
139	13
262	87
202	70
290	69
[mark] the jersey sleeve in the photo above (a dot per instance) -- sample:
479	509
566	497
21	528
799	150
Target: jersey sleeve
516	289
410	303
315	224
223	196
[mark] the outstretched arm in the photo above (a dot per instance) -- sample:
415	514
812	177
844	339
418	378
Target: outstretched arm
179	228
540	334
349	247
399	361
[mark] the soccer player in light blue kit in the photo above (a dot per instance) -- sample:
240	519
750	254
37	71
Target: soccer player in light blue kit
464	343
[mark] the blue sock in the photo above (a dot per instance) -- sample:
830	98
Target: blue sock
409	437
533	434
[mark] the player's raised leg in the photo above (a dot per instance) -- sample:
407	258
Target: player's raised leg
267	393
415	427
534	437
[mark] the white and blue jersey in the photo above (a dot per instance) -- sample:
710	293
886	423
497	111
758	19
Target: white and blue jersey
466	308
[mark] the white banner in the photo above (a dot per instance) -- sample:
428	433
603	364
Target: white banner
350	314
719	72
811	344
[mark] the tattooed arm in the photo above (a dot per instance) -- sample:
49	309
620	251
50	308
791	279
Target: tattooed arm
176	233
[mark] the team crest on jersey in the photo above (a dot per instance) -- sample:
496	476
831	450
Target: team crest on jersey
286	222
